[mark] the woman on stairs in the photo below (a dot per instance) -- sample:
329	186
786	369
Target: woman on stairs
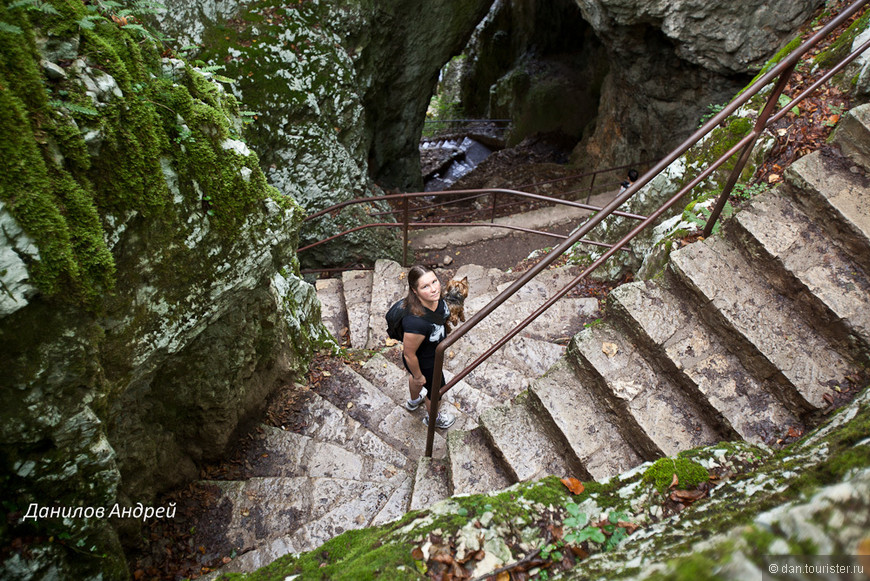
424	329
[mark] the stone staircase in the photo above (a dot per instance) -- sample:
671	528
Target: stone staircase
744	336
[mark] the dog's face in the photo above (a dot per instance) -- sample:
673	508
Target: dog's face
457	288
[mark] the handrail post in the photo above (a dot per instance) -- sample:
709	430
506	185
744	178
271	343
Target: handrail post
434	402
760	124
494	205
591	185
405	221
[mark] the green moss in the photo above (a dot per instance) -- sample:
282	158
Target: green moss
694	567
58	199
842	46
777	58
353	555
689	474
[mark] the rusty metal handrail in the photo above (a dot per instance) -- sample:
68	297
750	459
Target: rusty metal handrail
781	71
481	193
405	224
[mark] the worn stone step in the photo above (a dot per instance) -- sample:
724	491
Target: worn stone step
356	514
403	430
430	483
852	135
277	452
768	322
389	284
530	450
659	415
837	199
393	381
837	283
510	370
330	293
559	323
264	509
357	285
590	428
318	418
481	280
473	467
679	338
397	504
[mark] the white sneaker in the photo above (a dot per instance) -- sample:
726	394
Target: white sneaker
443	421
413	404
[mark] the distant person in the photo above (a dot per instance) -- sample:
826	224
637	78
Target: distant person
632	177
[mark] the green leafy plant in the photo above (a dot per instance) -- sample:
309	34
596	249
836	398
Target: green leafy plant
784	100
75	109
712	111
748	191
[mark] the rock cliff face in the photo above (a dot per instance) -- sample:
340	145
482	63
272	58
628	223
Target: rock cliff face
398	49
150	289
639	71
340	90
669	60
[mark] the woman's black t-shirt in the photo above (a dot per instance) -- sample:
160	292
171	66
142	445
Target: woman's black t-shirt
433	332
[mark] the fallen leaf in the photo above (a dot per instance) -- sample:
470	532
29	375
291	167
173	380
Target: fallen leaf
349	404
327	374
795	432
675	481
391	343
610	349
417	554
574	485
503	576
687	496
773	178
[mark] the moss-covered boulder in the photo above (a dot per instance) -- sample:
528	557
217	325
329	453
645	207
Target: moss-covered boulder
150	290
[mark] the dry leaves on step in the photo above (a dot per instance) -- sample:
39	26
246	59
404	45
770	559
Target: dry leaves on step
574	485
610	349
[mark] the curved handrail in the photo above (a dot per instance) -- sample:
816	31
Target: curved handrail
782	71
406	223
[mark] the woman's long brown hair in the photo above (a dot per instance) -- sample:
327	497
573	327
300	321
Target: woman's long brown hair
412	301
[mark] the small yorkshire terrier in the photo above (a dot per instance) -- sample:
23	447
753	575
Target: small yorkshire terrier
454	295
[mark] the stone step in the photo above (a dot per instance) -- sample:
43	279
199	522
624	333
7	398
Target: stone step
389	284
330	293
430	483
473	467
530	450
510	370
481	280
852	135
318	418
397	504
277	452
826	273
265	509
357	285
680	340
590	428
767	321
657	415
836	198
393	381
401	429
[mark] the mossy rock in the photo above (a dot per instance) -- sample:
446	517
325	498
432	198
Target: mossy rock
661	474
